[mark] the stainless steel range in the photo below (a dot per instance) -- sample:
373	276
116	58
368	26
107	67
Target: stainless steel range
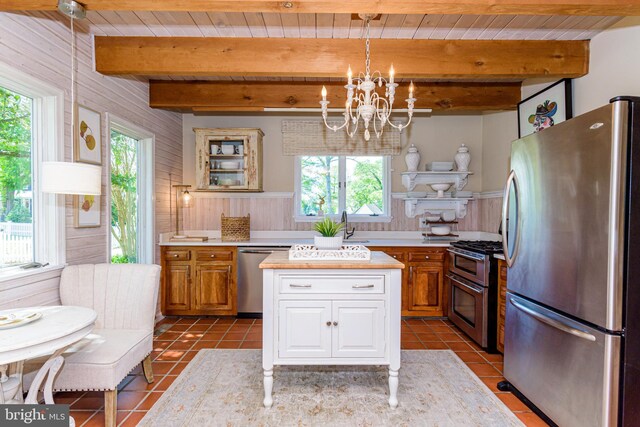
473	290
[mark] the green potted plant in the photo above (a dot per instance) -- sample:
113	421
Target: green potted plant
329	238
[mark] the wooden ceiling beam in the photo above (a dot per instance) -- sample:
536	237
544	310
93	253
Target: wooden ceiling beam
199	96
466	7
434	59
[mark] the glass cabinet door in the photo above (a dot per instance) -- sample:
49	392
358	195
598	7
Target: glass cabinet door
227	163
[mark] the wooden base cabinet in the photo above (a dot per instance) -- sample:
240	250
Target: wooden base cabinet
423	290
199	280
502	302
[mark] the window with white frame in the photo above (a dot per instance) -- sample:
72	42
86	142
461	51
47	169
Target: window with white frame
31	223
359	185
131	192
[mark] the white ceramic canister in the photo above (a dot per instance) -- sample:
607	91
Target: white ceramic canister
412	158
462	158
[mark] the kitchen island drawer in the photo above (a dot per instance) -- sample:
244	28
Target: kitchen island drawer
326	284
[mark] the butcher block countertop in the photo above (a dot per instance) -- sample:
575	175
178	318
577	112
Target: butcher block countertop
280	260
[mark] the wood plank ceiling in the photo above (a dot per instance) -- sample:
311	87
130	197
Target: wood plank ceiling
500	92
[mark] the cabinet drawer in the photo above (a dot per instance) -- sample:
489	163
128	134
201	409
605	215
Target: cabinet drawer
304	284
214	255
399	255
177	255
425	256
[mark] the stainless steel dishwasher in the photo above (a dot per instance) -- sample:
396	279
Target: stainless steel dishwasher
250	278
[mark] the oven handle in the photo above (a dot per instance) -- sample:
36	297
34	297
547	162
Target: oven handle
466	255
471	288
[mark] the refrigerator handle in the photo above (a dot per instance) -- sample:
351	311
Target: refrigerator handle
505	211
554	323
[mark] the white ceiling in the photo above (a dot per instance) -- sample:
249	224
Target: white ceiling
327	25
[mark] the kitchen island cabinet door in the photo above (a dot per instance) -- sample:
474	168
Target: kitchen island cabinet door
304	329
214	290
425	289
358	329
177	279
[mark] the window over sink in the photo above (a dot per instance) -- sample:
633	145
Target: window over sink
359	185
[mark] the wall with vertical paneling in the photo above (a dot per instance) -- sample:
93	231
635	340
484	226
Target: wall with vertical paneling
39	44
275	213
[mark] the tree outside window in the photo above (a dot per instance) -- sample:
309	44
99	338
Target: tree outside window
16	198
352	183
124	198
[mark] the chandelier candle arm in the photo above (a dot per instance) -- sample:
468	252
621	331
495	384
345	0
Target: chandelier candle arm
370	106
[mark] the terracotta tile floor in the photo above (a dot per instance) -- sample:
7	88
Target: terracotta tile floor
178	340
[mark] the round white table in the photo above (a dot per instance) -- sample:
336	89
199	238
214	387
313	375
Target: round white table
57	329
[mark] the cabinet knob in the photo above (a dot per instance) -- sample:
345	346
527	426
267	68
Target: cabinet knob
335	323
426	257
213	256
395	256
175	255
329	323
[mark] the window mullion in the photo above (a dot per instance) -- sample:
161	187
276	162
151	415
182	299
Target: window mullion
342	176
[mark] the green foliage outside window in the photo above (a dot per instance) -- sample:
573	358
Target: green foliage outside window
15	156
364	184
319	177
124	196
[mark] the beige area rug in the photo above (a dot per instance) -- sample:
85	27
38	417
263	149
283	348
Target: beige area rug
224	388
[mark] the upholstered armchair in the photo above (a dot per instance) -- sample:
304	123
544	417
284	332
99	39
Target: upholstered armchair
125	298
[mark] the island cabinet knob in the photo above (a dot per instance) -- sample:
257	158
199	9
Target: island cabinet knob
329	323
213	256
395	256
175	255
426	257
335	323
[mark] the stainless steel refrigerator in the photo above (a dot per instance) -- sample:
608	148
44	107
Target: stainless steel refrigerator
572	244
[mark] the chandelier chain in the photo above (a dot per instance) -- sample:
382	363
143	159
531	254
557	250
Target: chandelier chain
367	47
73	73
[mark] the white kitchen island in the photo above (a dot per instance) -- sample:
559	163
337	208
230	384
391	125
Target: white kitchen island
331	313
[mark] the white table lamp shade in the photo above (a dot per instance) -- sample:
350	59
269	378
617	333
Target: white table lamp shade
71	178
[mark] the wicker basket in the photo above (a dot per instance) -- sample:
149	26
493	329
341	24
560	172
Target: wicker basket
235	228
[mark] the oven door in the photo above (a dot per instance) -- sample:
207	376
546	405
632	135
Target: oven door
471	266
468	308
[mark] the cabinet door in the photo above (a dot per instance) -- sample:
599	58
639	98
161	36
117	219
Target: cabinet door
502	294
358	329
303	330
426	285
214	289
177	287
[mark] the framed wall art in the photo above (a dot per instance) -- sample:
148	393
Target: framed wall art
87	141
86	211
550	106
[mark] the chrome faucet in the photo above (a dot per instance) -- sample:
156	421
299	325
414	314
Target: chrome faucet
345	229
